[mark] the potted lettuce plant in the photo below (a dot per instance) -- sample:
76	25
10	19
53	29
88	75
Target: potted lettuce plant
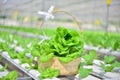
61	52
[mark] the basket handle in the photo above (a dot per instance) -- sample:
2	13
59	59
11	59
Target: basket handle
68	13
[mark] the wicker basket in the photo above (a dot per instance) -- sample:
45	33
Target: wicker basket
70	68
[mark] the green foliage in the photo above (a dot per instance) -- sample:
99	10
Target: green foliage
67	45
84	72
90	57
45	58
111	40
48	72
109	59
13	75
107	68
35	50
48	31
65	59
116	45
12	53
116	64
4	68
3	46
97	38
110	63
35	66
105	41
22	57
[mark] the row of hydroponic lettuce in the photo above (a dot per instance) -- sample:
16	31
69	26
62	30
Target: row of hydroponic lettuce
94	38
48	31
66	45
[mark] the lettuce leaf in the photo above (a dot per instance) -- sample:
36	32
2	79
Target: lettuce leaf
84	72
90	57
66	45
109	59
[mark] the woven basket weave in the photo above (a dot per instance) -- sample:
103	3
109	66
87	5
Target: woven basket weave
70	68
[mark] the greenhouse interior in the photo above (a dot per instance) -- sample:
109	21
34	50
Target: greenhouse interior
57	40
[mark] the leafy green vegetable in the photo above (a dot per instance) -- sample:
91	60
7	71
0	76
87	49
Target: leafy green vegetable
111	40
67	45
107	68
65	59
116	64
109	59
105	42
48	73
13	75
4	68
35	50
84	72
23	59
45	58
3	46
12	53
90	57
35	66
96	38
116	45
110	63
